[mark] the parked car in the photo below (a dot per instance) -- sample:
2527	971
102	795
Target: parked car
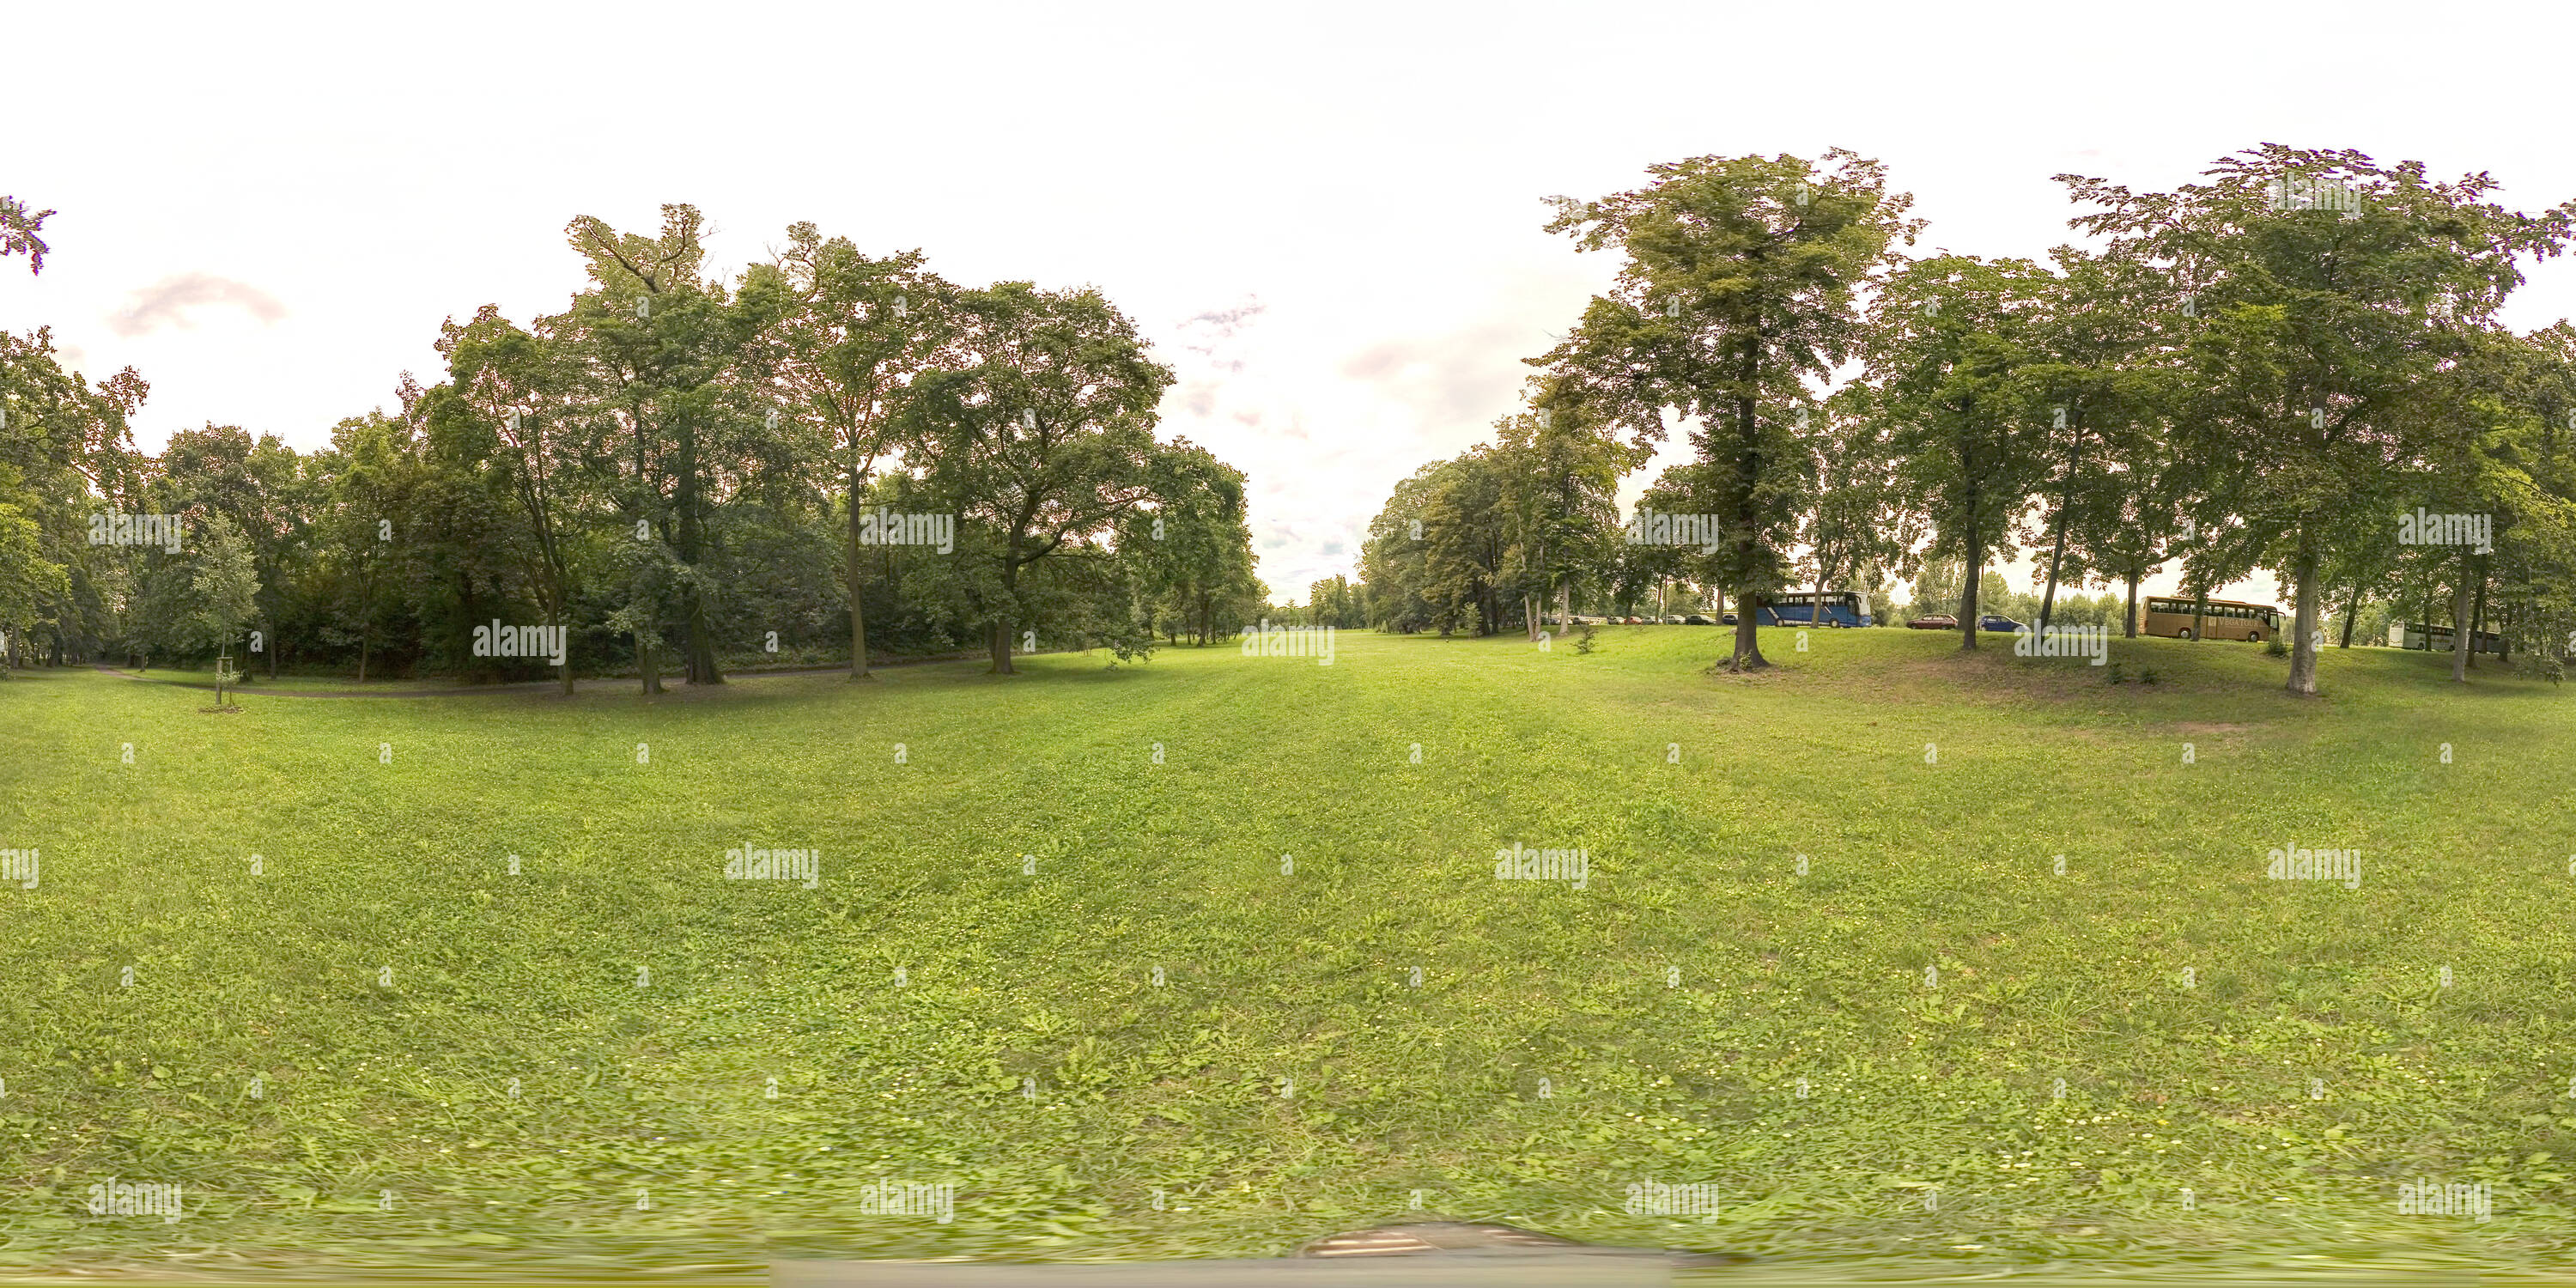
1698	619
1673	619
1934	622
1999	622
1727	620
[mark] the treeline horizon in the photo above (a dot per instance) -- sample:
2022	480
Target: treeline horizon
674	472
2283	368
2280	368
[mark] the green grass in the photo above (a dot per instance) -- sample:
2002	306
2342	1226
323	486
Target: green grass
1304	978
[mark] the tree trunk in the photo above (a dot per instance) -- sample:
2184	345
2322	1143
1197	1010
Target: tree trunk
2057	555
363	636
697	641
2478	612
999	641
2460	625
1748	642
1968	590
858	615
2303	645
2351	610
1748	645
2129	624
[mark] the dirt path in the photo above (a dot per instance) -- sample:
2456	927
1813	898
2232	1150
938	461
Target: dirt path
530	686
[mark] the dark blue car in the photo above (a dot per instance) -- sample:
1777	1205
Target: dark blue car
1998	622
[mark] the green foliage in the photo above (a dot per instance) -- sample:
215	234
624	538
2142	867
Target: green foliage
1737	288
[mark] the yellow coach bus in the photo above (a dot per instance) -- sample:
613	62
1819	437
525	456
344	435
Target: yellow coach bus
2220	619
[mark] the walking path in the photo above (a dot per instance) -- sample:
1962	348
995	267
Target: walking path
527	686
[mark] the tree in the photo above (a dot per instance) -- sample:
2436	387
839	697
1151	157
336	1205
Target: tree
1950	338
223	587
505	405
27	578
1854	523
2093	379
371	472
844	360
1559	503
257	486
1041	433
652	351
1737	289
1464	544
1191	542
1394	556
2325	293
19	233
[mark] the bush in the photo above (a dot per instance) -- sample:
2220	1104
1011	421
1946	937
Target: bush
2273	647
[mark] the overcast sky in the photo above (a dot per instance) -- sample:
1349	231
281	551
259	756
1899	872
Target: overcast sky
1326	217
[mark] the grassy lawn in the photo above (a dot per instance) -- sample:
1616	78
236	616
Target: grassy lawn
387	978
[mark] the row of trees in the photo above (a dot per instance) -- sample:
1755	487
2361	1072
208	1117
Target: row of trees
672	470
2264	370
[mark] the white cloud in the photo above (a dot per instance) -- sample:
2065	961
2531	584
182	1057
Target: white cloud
168	301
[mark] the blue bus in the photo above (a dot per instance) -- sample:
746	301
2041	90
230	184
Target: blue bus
1798	608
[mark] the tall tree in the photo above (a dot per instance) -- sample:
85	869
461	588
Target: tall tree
656	347
1040	428
1950	339
2327	291
506	404
2094	378
844	360
1737	290
1560	480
